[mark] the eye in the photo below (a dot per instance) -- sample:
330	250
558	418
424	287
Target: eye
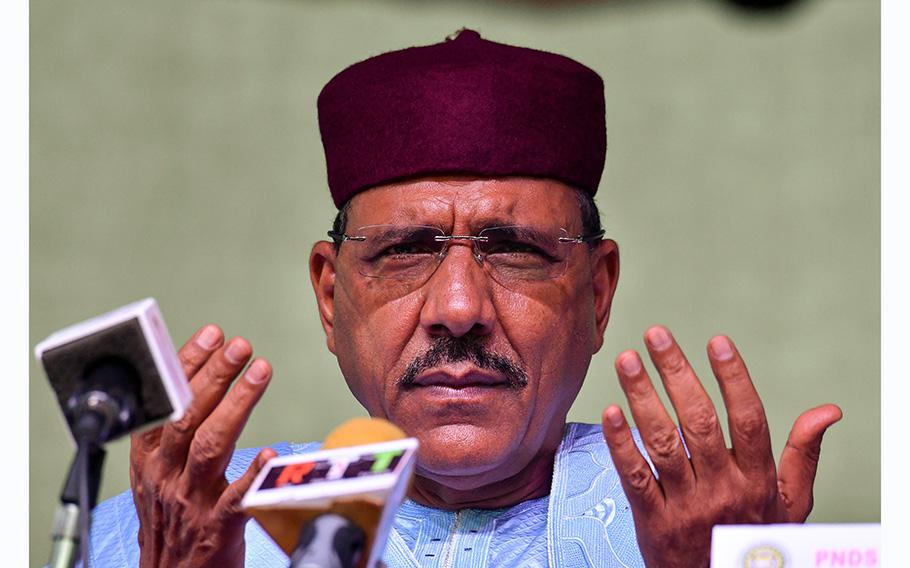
517	246
408	248
508	246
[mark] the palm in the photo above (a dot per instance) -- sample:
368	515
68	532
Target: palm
712	485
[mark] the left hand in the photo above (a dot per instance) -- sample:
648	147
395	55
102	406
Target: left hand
716	485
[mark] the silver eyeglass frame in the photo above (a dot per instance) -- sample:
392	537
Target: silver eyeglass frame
339	238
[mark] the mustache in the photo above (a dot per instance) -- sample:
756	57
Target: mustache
460	349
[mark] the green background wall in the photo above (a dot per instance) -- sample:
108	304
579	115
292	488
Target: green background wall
175	154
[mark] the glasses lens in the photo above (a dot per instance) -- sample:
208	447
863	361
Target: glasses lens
519	253
401	252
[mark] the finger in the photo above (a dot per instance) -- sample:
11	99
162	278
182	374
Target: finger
229	503
746	418
213	444
696	413
799	460
197	350
657	429
638	482
194	353
209	386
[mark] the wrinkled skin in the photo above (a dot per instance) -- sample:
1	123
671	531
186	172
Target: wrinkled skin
189	515
495	449
487	446
674	516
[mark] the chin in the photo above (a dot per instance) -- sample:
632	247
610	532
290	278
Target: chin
467	451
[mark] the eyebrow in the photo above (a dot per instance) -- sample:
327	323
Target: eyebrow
520	231
489	222
412	230
402	232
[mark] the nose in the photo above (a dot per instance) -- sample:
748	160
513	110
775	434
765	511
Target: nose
458	298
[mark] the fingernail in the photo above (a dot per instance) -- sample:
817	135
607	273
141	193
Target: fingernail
659	338
722	349
258	372
630	364
236	352
208	337
614	416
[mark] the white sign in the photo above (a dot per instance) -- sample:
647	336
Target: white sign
796	546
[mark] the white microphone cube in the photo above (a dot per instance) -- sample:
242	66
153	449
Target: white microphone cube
134	334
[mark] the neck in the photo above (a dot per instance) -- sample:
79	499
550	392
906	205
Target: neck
531	482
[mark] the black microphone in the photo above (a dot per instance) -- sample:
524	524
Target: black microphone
329	541
111	375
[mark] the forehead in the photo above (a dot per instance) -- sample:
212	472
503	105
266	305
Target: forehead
468	203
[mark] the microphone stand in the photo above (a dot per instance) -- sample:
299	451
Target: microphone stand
103	408
65	533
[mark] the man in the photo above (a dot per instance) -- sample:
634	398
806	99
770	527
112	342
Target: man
466	289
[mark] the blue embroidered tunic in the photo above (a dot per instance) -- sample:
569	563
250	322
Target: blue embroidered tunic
584	522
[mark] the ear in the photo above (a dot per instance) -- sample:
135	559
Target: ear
322	275
604	279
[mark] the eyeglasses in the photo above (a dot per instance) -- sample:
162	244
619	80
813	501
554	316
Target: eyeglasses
411	253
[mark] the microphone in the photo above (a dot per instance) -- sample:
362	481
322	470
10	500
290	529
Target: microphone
329	541
115	373
111	375
334	508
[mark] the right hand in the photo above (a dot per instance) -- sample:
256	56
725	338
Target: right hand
189	515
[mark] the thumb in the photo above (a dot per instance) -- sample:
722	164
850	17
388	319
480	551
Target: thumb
799	460
229	503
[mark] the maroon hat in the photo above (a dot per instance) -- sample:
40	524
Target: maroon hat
466	105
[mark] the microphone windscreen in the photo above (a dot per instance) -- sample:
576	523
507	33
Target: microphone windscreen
283	524
362	431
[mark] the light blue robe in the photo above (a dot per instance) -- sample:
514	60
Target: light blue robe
584	522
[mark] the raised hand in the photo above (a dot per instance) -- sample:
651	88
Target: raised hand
716	485
189	514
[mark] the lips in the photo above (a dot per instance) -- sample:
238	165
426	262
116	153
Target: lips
460	379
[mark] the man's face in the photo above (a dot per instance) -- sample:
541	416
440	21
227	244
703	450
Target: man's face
481	372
